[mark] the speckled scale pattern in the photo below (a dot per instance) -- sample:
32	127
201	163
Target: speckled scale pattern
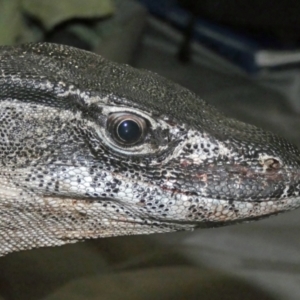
63	176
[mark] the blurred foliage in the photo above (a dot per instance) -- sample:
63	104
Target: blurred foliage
33	20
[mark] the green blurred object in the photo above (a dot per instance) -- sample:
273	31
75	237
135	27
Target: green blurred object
111	28
51	13
24	21
11	22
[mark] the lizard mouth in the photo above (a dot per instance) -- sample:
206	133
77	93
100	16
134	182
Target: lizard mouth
213	215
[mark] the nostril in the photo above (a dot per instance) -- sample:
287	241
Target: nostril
271	164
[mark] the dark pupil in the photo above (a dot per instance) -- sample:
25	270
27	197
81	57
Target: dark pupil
129	131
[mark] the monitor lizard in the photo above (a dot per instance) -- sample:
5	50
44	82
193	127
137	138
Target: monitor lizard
90	148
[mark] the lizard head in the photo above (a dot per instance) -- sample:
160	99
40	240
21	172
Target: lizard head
90	148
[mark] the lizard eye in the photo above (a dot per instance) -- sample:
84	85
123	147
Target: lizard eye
127	129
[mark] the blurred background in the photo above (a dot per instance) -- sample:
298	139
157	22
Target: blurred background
242	57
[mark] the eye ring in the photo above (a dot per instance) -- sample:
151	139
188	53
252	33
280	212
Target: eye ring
127	129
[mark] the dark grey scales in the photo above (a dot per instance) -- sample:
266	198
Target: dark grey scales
90	148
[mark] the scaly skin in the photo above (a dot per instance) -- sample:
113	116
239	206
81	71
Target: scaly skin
66	175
